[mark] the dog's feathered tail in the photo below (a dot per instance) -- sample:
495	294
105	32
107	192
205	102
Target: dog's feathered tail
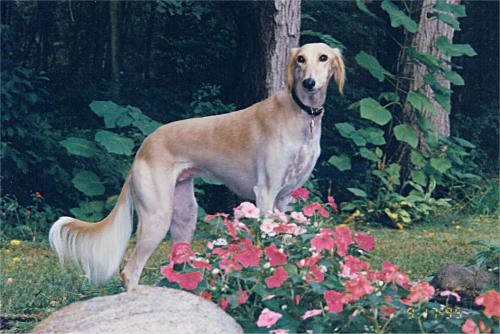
95	248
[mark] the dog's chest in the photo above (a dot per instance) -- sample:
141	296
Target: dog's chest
303	159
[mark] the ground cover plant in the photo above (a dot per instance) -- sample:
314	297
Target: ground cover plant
308	271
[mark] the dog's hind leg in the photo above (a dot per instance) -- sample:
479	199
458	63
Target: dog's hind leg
153	188
185	212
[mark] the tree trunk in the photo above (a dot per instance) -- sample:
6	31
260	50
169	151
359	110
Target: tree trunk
267	30
425	42
114	45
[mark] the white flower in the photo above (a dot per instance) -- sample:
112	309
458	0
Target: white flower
216	271
220	242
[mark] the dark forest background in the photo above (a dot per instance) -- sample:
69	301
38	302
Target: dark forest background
171	60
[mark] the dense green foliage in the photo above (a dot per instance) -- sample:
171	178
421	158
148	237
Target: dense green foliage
70	132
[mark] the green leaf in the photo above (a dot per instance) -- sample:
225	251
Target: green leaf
428	60
441	164
389	96
417	159
404	132
378	152
108	110
368	154
372	110
454	78
362	7
358	139
457	10
398	17
373	136
464	143
444	100
421	102
88	183
345	129
114	143
341	162
371	64
79	146
358	192
449	20
419	177
454	50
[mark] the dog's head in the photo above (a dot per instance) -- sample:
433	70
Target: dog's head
310	69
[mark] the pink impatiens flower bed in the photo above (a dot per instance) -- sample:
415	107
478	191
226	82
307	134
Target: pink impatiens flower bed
302	271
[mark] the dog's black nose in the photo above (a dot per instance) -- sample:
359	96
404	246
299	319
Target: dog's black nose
308	83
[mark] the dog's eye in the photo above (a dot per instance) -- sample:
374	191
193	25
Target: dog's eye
301	59
323	58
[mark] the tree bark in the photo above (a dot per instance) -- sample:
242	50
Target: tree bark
267	30
425	42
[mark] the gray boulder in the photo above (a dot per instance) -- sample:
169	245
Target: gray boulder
146	310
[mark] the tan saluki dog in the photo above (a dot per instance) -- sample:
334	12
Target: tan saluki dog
262	153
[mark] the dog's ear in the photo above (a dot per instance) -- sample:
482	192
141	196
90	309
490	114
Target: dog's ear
338	69
290	68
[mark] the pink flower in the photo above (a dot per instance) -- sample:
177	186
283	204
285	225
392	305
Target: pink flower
299	216
275	256
229	265
297	299
331	200
316	274
246	210
250	255
420	292
269	297
392	274
241	296
450	293
357	288
342	238
301	193
281	216
310	209
231	229
366	242
224	303
277	278
218	214
268	318
470	327
188	281
280	331
268	226
181	252
311	313
334	301
352	267
206	295
170	273
323	241
201	264
491	302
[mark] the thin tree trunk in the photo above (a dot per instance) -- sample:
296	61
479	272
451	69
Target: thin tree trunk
114	45
267	30
425	42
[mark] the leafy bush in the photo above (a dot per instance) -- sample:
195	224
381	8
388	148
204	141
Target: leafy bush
26	222
302	272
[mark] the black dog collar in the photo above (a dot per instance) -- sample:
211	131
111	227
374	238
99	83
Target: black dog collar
313	112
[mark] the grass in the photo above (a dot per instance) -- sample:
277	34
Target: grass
33	285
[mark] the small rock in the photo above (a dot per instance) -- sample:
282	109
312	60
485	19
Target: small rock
146	310
466	280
